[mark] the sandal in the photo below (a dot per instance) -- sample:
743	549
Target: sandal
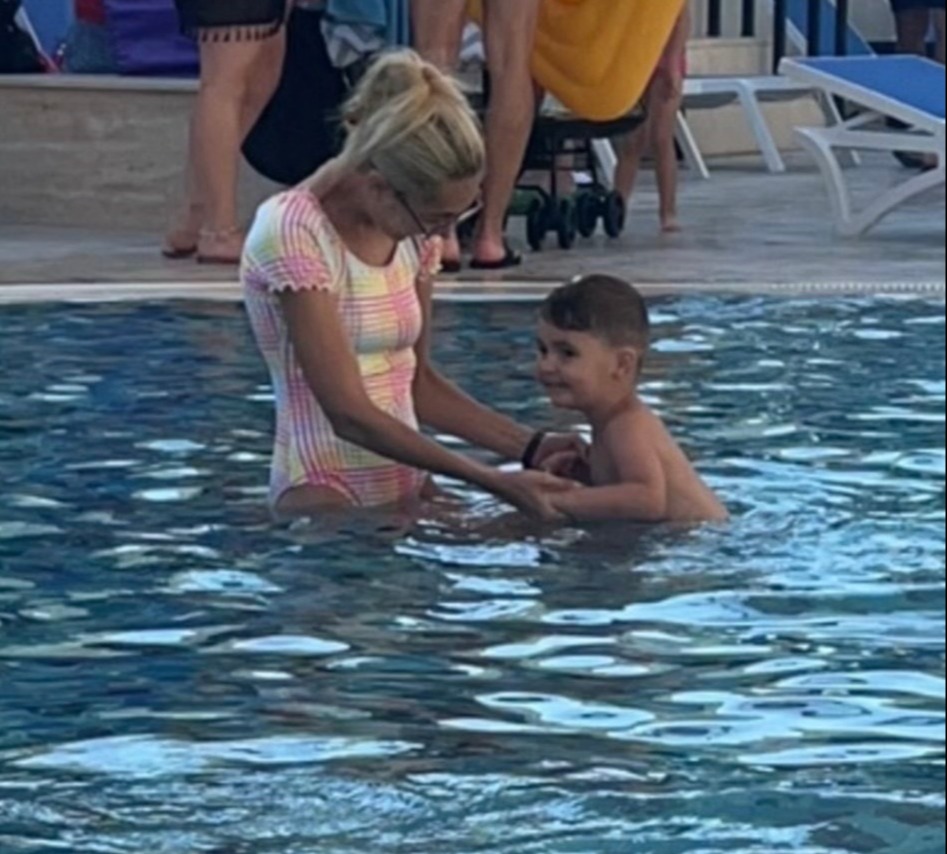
224	247
180	243
512	258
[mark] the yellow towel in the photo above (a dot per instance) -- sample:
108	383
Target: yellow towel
598	56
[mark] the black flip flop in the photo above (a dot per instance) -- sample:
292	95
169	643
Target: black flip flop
510	259
451	266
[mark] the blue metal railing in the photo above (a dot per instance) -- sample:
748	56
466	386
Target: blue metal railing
825	24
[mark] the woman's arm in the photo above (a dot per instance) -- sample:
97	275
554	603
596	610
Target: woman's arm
330	367
442	406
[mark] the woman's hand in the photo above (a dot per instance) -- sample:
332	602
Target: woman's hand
570	466
560	443
565	455
533	493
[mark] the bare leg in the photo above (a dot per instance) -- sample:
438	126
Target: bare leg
438	36
308	500
940	25
631	151
667	99
913	26
238	80
181	240
510	31
665	104
438	30
664	98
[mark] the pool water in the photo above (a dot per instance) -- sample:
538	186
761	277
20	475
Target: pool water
178	675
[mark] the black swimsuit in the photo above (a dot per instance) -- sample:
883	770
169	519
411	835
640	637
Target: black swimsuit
232	20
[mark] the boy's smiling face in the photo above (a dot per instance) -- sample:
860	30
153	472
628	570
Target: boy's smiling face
581	371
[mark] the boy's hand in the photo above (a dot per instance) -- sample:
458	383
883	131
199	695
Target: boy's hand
556	444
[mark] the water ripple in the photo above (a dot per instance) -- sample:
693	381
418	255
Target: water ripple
179	675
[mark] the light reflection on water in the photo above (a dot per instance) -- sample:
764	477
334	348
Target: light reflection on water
178	675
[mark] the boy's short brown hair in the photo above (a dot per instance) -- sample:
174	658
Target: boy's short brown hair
604	306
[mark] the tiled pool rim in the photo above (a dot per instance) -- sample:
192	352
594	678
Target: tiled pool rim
458	292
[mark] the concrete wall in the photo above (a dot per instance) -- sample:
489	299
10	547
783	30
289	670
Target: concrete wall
96	151
723	130
110	152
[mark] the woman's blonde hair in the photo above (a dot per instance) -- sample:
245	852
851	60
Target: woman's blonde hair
412	123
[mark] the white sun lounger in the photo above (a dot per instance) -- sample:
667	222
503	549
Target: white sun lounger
750	93
908	89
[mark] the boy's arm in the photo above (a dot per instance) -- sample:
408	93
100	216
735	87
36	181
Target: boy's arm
640	495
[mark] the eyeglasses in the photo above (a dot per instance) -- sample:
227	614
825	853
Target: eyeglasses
446	221
405	202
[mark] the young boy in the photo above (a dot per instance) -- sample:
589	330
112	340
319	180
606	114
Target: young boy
593	338
663	99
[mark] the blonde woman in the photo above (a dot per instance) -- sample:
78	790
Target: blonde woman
338	276
242	48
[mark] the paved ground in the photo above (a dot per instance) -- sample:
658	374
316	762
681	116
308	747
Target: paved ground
743	228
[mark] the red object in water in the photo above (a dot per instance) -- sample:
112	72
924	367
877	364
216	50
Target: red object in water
91	11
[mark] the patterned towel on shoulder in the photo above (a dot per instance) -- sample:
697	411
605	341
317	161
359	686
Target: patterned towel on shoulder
356	29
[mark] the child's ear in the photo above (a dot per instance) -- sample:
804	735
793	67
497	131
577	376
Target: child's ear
628	363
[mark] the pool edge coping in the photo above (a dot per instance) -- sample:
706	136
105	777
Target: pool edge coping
448	291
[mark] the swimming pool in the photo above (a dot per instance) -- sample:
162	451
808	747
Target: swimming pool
177	675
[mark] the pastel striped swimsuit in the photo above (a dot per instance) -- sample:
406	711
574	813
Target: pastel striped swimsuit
293	246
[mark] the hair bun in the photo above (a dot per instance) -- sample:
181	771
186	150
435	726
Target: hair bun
412	121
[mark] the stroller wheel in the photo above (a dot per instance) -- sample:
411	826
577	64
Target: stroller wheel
567	226
536	225
615	214
587	210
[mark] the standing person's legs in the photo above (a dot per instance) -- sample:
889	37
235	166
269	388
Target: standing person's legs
663	98
666	98
940	23
913	24
510	32
438	30
438	35
913	20
238	80
631	150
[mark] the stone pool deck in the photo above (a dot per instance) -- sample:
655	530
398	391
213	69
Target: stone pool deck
745	230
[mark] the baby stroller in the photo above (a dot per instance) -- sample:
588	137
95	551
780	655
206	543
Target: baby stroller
562	143
628	39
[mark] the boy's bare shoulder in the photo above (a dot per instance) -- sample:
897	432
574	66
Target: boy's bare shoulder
637	422
633	432
640	432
